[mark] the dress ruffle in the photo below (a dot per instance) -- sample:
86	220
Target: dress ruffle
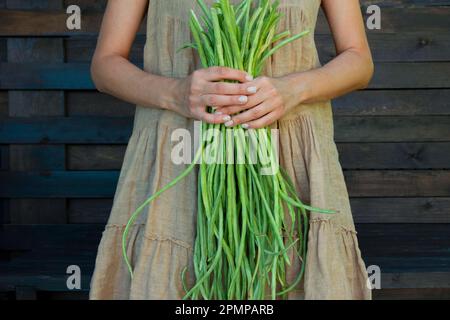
158	264
334	267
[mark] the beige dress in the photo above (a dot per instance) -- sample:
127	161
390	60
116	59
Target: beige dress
161	241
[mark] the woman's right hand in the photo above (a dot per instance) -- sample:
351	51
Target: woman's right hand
203	88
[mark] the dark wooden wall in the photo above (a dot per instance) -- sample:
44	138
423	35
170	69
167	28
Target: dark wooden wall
62	145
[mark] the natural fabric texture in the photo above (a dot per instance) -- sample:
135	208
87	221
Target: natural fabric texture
161	242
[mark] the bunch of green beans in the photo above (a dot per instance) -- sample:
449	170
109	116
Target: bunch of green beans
246	221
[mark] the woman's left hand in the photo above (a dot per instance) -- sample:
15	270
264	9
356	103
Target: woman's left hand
270	99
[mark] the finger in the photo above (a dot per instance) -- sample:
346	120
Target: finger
252	114
252	102
212	117
215	100
262	122
225	88
229	110
225	73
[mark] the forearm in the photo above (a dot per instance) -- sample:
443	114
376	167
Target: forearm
347	72
116	76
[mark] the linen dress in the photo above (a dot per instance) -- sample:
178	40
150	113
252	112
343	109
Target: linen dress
161	241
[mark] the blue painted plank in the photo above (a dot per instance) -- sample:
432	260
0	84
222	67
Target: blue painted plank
58	184
76	76
31	76
101	184
115	130
84	130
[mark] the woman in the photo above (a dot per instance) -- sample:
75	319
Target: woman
173	91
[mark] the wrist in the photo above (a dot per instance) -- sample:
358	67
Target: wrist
168	98
161	91
301	85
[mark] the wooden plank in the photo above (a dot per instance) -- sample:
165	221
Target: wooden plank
404	280
2	50
393	103
54	286
89	210
66	130
3	104
396	241
433	155
408	75
45	282
4	157
38	157
26	211
72	295
365	210
392	129
404	240
412	294
99	5
395	20
398	183
50	238
26	293
394	247
409	47
42	50
81	157
36	103
81	49
88	5
401	210
404	3
59	76
34	4
4	211
76	76
58	184
93	103
50	24
360	103
415	264
101	184
114	130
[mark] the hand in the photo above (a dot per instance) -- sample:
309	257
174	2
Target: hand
202	88
274	98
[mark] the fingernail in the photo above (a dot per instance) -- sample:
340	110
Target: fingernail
227	118
243	99
245	126
249	77
252	89
229	123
